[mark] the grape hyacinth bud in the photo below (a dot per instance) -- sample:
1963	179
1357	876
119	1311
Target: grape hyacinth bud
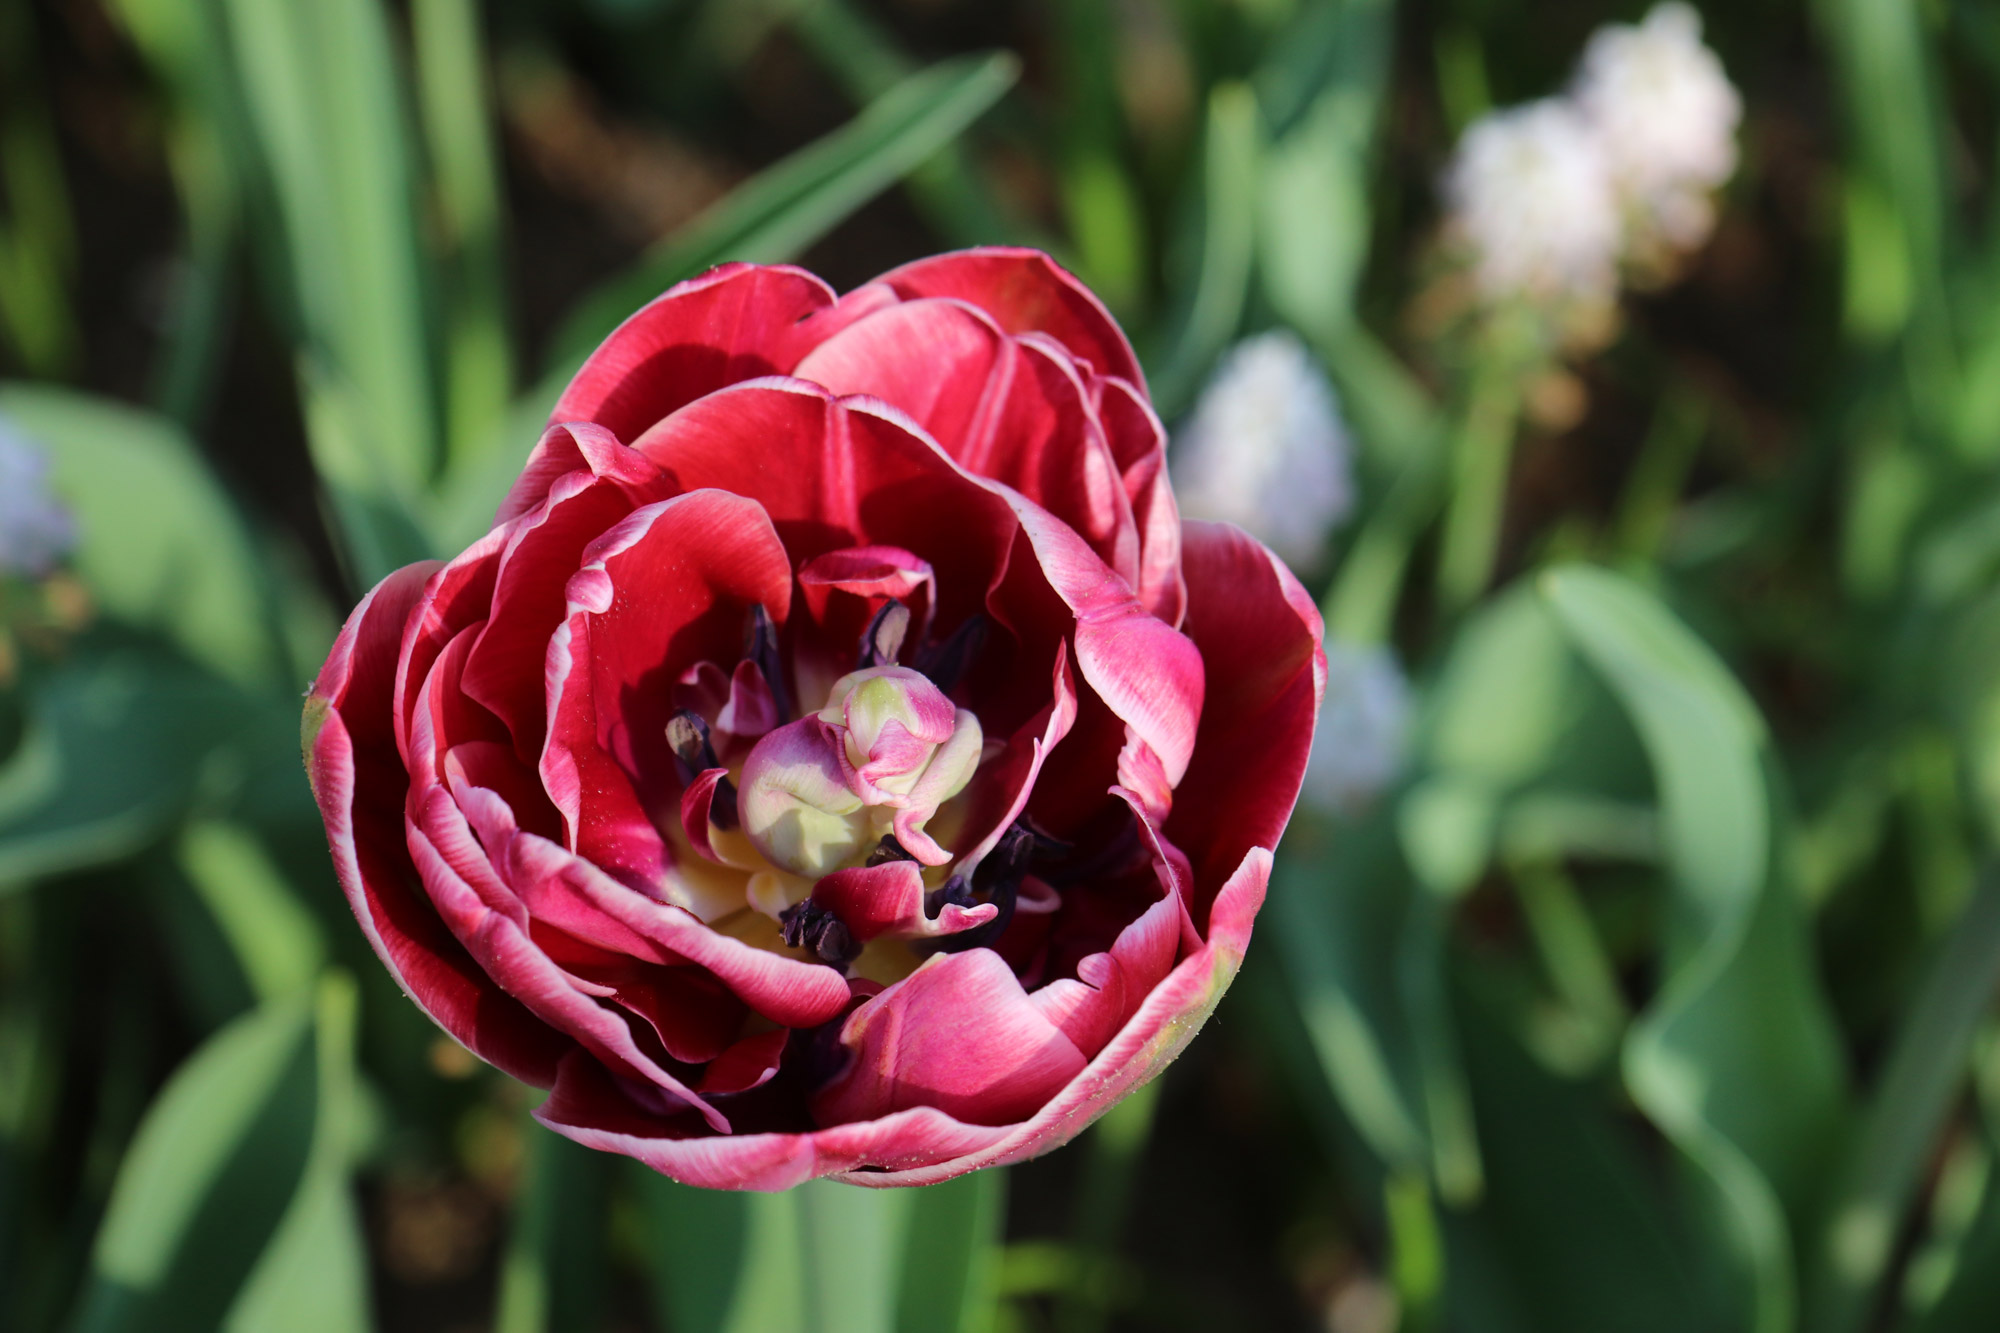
35	529
1364	725
1265	449
1665	116
1530	200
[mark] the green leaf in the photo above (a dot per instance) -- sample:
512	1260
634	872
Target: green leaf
786	207
553	1275
320	82
1736	1058
1918	1092
117	745
696	1244
160	545
209	1176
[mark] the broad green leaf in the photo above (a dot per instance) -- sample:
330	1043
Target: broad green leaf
788	206
853	1243
313	1276
696	1242
1572	1230
951	1255
160	544
1736	1058
117	744
209	1176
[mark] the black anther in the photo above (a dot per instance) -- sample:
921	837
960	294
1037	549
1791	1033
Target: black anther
687	733
888	850
954	892
808	925
946	661
882	641
760	645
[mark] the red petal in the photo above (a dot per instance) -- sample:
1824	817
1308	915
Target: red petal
695	804
575	446
888	899
733	323
456	595
1025	292
1139	444
1259	635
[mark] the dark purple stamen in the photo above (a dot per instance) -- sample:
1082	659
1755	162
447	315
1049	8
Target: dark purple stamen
997	880
944	662
760	645
808	925
882	641
687	733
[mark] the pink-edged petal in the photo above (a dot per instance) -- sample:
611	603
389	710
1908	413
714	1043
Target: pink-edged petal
590	1107
888	899
524	971
575	446
844	589
1259	635
733	323
1014	410
959	1035
602	814
695	1017
357	779
455	596
1139	445
575	896
545	549
696	802
1091	1006
1025	292
750	710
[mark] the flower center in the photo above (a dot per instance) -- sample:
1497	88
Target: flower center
835	821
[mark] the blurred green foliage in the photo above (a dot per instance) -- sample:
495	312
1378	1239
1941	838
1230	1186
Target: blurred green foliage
1657	993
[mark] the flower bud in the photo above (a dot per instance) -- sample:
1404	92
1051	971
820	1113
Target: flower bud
796	804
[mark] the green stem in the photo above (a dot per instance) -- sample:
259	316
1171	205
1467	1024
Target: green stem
1480	464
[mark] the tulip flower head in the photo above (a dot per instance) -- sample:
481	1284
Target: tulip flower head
1665	115
35	529
1265	449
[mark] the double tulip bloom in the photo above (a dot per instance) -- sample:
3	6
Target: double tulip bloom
838	758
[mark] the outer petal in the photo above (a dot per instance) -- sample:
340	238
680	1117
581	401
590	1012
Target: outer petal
1025	292
573	446
923	1146
358	781
1259	635
733	323
589	1106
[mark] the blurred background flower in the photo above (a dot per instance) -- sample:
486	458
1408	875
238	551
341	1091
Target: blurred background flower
1265	449
35	529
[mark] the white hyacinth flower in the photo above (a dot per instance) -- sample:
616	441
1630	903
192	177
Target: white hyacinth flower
1364	728
1665	114
35	530
1265	449
1529	196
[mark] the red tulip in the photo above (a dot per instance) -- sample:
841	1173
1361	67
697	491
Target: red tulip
838	758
